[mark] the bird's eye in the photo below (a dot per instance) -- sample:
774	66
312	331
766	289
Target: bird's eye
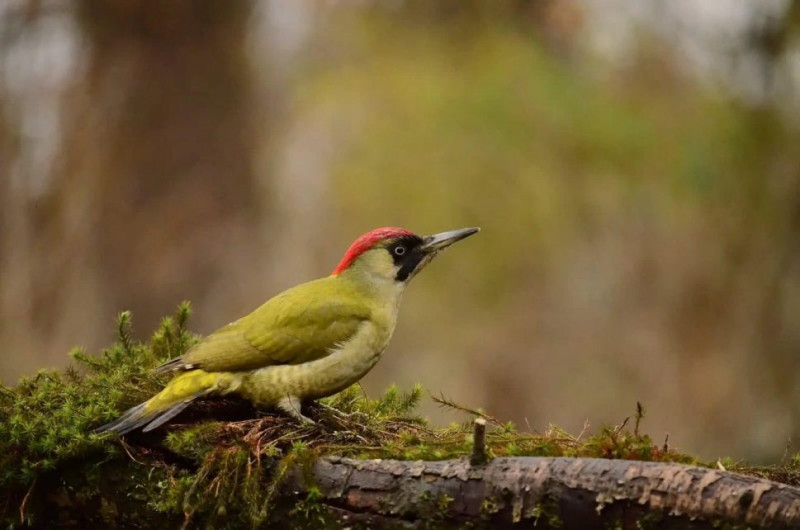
399	250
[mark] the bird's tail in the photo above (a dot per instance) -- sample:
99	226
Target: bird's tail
165	405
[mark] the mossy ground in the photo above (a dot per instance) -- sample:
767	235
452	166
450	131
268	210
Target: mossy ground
220	463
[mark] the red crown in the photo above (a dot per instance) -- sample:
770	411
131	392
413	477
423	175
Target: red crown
366	242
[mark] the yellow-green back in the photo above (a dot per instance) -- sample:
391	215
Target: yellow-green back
301	324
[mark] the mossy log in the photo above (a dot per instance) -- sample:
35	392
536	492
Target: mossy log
507	492
568	493
373	462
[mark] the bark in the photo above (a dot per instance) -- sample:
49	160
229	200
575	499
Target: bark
567	493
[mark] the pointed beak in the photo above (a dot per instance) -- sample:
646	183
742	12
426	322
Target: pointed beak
437	242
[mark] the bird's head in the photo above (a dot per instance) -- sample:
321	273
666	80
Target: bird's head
396	254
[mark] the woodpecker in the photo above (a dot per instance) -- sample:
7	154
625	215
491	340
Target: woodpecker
308	342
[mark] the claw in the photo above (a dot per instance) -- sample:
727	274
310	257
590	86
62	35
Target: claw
291	405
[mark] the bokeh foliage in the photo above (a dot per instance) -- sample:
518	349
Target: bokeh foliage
640	221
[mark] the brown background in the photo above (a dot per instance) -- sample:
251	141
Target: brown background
635	168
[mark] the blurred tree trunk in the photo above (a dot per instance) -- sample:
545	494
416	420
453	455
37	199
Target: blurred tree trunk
774	275
167	95
155	165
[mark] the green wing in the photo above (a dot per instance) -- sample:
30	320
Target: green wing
299	325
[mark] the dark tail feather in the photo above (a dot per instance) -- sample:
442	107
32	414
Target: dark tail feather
168	414
175	364
132	419
137	416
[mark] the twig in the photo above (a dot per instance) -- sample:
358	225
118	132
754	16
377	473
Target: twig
583	431
446	402
479	456
188	509
619	428
24	502
639	416
341	447
786	450
341	414
527	424
125	448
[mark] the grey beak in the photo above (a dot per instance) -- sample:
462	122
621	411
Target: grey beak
437	242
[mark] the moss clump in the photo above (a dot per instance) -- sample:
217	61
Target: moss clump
221	463
49	460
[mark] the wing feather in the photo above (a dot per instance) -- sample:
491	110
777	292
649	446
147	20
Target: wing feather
299	325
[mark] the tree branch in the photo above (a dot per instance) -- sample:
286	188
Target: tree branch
577	493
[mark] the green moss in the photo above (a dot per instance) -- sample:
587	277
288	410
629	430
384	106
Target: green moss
650	521
432	509
310	512
546	512
222	465
489	506
193	442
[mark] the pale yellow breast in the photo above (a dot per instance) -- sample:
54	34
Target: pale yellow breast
348	363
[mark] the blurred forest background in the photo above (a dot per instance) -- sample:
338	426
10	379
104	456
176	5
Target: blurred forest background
635	167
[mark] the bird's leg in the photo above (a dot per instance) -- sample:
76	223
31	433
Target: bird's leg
291	406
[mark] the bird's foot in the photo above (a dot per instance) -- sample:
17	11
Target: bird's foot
291	405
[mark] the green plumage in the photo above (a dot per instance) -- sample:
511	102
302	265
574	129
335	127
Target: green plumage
297	326
308	342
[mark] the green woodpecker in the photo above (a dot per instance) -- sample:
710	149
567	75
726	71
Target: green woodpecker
308	342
